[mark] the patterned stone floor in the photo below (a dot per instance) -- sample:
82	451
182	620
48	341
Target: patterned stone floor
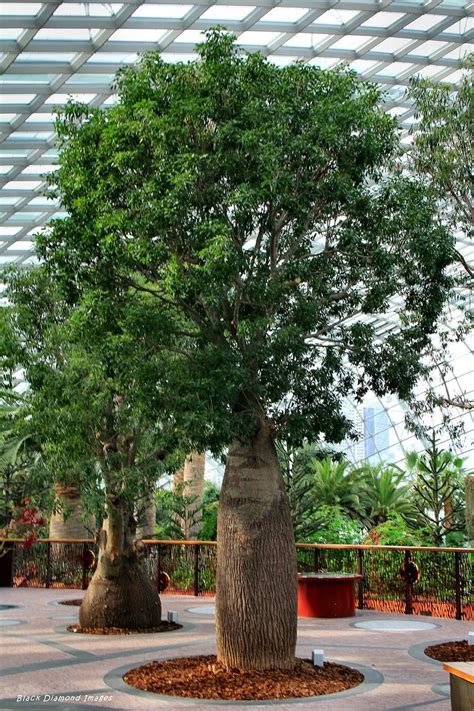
40	661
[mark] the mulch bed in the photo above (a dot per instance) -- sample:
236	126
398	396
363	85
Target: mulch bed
164	627
71	602
451	651
203	677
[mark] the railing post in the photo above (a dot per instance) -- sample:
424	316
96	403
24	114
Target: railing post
317	560
158	564
360	571
48	565
196	569
408	585
6	564
457	583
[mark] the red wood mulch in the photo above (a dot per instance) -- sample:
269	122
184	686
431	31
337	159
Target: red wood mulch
451	651
203	677
164	627
70	602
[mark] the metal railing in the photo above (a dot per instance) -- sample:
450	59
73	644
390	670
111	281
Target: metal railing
412	580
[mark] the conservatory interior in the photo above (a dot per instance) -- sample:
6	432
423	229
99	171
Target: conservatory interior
236	355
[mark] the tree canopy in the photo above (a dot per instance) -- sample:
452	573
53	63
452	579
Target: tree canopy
258	202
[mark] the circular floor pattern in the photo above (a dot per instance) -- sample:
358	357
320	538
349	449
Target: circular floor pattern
204	610
394	625
442	689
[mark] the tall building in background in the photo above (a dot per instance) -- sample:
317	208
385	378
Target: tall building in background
377	427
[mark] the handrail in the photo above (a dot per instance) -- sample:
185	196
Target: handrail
348	546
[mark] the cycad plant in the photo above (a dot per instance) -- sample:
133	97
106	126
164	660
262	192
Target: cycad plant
337	483
385	492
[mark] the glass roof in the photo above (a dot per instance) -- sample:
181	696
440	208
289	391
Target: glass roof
51	50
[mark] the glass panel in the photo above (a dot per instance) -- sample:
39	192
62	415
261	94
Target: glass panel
21	245
336	17
351	42
10	33
383	19
396	68
252	37
425	22
125	35
103	9
64	98
227	12
45	57
20	8
65	33
284	14
178	11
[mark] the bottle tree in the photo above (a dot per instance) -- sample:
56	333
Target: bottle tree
91	377
259	202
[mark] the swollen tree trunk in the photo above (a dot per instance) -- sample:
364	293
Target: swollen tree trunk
68	521
188	484
193	479
120	593
256	598
147	520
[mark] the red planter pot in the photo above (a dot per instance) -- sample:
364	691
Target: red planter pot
326	595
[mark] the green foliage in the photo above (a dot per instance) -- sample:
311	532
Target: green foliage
394	531
94	387
262	205
210	509
337	484
336	527
442	154
386	492
21	465
443	145
168	512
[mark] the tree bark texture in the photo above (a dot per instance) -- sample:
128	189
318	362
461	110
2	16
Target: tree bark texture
120	593
73	525
193	479
256	595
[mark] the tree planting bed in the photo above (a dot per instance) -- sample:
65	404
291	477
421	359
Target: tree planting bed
459	651
76	602
163	627
202	677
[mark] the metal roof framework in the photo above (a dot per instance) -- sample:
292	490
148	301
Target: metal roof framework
52	50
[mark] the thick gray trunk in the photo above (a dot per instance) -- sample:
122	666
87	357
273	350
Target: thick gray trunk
188	482
67	522
256	600
120	593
